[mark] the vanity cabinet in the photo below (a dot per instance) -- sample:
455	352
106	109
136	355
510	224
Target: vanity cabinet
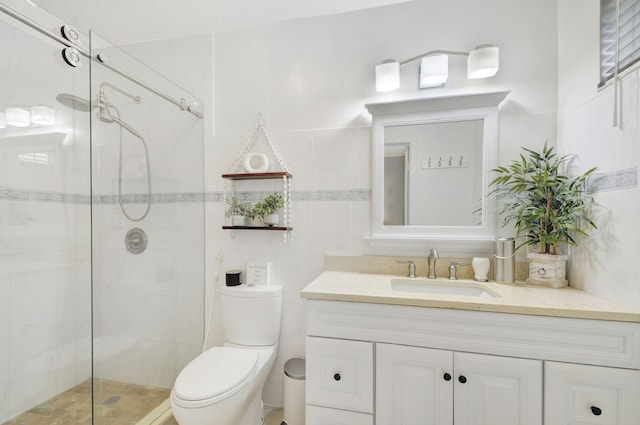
444	366
414	385
591	395
439	387
340	374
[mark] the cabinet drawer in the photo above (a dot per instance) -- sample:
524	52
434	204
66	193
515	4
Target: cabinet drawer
315	415
340	374
591	395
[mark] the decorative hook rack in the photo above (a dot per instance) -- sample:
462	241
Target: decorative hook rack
435	163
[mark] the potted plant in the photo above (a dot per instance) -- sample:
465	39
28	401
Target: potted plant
548	208
267	209
238	211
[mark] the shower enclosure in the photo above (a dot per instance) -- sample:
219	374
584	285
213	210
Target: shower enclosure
101	227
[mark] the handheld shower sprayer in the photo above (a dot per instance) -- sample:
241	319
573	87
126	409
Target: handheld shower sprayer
109	113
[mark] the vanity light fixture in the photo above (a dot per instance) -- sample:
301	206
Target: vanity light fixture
18	117
482	62
388	75
434	70
43	115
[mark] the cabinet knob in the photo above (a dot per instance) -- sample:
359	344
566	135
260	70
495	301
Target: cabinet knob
596	410
337	377
447	377
462	379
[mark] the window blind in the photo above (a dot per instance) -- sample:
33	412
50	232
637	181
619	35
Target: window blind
629	36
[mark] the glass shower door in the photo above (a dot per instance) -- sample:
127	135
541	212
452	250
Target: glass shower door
148	236
45	256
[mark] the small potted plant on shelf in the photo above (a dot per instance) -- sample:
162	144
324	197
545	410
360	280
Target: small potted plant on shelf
548	208
267	209
238	211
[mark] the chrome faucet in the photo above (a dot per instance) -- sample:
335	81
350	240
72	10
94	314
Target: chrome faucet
433	256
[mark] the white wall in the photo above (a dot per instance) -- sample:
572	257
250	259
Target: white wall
605	263
311	79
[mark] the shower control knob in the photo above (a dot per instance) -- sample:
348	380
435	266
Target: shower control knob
136	240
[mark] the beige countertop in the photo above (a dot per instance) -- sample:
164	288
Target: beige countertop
518	298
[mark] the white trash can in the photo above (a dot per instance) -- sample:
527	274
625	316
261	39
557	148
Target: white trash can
294	376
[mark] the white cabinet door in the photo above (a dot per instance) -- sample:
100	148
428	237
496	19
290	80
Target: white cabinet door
495	390
591	395
340	374
414	386
315	415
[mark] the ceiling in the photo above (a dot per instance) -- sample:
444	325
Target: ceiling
126	21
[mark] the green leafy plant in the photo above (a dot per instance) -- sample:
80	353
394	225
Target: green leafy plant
238	207
547	206
269	205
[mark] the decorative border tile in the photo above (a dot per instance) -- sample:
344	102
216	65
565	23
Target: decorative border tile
601	183
627	178
43	196
301	196
615	180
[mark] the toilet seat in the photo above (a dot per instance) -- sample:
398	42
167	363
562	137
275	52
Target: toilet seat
216	373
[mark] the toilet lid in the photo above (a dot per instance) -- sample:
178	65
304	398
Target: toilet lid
214	372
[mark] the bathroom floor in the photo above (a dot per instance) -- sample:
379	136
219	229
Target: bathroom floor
272	416
122	404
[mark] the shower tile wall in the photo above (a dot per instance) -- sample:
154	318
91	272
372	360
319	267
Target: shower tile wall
149	307
45	292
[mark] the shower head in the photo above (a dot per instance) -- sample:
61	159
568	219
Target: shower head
74	102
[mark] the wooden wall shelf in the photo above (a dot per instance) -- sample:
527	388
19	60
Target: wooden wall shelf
258	228
257	176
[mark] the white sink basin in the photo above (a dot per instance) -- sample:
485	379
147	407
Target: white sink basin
467	289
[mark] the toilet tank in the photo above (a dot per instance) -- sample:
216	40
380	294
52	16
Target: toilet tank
251	315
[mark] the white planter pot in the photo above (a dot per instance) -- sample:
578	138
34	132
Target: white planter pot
238	220
548	270
271	220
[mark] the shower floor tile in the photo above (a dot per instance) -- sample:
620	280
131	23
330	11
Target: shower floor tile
118	404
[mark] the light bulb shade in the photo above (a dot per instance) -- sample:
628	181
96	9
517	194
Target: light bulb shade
43	115
434	70
3	120
483	62
18	117
387	76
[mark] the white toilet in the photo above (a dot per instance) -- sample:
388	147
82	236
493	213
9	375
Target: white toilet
223	385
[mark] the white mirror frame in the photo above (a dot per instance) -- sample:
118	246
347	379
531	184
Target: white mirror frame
435	110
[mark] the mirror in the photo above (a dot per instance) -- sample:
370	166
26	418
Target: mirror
431	163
